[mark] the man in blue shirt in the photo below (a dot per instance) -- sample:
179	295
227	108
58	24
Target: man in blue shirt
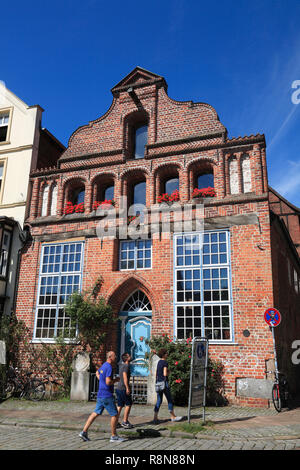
105	399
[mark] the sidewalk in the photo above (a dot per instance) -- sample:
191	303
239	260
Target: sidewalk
229	422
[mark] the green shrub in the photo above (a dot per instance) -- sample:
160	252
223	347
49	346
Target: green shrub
179	364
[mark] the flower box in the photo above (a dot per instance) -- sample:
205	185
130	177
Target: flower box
107	202
169	198
71	208
203	193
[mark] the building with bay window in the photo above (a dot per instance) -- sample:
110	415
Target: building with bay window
214	279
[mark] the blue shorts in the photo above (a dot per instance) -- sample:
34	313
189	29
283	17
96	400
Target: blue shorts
108	404
123	399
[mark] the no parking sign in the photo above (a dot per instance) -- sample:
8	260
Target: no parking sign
272	317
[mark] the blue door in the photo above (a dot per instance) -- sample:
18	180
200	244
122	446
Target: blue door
137	330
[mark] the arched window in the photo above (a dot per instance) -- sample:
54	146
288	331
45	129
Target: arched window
140	140
137	302
45	201
53	200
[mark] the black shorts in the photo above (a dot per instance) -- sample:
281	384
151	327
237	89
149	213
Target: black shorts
123	399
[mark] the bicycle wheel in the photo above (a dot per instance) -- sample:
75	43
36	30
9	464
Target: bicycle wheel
9	389
36	390
276	398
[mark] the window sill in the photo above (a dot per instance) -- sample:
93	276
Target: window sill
222	342
53	341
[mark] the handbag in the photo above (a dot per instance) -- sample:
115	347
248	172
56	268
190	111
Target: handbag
160	386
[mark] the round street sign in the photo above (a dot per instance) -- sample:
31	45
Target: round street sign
272	317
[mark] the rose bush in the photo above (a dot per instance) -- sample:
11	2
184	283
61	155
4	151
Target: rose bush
179	363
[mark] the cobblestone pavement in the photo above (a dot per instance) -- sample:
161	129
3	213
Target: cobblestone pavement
55	426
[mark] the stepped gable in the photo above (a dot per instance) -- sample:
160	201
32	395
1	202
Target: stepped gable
145	93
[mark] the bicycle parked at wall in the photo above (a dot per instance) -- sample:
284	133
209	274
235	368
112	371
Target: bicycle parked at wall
280	392
24	385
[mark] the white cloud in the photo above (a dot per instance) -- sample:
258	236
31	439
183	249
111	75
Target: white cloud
289	183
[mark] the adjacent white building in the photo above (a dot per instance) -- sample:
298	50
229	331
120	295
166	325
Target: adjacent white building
24	147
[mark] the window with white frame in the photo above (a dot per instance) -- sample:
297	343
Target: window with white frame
4	121
135	254
6	239
202	286
60	276
1	174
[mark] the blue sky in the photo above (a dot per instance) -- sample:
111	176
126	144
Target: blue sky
240	56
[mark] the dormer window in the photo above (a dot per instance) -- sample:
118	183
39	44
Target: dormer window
140	141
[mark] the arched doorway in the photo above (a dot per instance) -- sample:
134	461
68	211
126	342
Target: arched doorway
135	327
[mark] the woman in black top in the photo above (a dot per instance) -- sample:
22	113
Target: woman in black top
162	376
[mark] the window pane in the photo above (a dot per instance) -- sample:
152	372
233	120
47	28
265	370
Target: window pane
172	185
55	288
205	181
141	137
109	193
135	254
202	285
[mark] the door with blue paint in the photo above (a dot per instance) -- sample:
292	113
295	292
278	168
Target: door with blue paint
135	326
138	329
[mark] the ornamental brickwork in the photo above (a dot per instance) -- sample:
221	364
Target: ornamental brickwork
185	140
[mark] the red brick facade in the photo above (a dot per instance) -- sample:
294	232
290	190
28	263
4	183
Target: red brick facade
184	139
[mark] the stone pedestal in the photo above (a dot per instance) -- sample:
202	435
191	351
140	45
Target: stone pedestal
80	381
2	352
151	393
80	384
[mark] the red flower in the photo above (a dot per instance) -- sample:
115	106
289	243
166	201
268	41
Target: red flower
204	192
175	196
69	208
176	363
178	381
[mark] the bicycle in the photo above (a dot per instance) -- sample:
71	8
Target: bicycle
24	386
52	385
280	392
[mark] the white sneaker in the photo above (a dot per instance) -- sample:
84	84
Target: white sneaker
117	439
177	418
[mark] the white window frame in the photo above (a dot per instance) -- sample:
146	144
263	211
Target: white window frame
195	303
46	274
135	249
5	111
3	163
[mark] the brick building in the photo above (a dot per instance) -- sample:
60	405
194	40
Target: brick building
216	284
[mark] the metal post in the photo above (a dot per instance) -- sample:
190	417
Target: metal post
191	380
205	379
275	355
